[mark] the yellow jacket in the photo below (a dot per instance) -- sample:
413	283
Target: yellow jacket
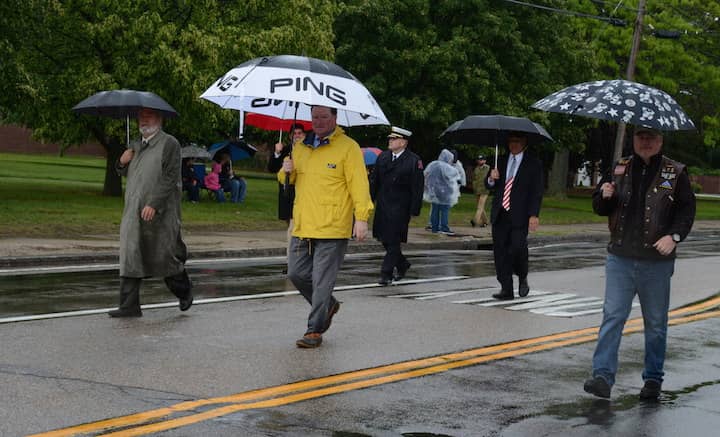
330	184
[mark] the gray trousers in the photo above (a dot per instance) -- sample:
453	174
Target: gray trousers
313	265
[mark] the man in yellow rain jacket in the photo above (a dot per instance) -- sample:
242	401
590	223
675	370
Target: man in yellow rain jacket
331	185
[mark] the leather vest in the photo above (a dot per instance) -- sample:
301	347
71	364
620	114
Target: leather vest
659	200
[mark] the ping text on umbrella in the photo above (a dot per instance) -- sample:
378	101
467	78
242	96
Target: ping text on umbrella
301	83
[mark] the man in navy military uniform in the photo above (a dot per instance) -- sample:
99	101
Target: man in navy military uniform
396	186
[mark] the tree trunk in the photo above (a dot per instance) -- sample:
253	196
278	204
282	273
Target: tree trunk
113	182
557	180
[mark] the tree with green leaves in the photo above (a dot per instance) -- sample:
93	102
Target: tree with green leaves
57	53
678	54
430	63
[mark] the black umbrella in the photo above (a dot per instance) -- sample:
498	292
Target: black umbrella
620	101
194	151
491	129
124	104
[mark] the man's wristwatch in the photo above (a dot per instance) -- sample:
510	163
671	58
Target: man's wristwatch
676	237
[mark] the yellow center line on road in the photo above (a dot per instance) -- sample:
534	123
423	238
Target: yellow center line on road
328	385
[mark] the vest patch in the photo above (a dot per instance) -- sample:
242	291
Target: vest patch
331	165
667	185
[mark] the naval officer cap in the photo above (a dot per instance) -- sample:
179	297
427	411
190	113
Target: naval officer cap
398	132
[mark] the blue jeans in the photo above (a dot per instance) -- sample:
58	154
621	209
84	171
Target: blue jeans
220	195
237	188
625	277
439	217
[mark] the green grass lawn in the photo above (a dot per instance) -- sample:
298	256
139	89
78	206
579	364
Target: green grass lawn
50	196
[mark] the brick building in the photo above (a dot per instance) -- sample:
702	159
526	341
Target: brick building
18	139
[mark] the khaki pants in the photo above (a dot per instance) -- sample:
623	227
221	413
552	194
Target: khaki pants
481	217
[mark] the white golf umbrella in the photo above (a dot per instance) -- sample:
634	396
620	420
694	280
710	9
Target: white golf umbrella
286	86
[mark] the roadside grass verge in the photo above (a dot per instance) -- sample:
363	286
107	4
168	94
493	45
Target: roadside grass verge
60	197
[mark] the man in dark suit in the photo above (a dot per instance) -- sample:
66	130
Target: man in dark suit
518	184
396	186
286	192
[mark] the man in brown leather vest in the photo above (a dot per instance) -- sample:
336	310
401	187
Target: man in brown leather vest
651	208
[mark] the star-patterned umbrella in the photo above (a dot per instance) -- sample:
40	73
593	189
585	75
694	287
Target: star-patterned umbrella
621	101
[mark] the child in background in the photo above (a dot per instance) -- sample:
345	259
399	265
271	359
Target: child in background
212	182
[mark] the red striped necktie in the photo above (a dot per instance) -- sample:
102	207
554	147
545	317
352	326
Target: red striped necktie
508	186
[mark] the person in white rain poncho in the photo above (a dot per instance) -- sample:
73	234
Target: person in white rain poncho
441	190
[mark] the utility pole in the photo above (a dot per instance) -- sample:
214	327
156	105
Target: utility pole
630	74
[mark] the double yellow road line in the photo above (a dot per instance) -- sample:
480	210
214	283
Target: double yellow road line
191	412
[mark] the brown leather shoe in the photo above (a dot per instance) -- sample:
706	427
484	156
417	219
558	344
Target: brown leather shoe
333	310
310	340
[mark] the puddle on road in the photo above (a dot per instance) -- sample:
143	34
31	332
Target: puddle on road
603	411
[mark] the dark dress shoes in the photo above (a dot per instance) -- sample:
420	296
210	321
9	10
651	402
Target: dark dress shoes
125	313
597	386
186	303
523	288
504	295
402	271
651	390
384	280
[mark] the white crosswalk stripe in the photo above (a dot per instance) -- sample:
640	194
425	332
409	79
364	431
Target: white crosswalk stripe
545	303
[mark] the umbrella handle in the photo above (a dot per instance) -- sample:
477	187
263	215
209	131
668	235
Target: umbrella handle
127	130
241	124
496	154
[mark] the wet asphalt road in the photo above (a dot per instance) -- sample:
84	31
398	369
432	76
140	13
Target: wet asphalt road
537	393
72	291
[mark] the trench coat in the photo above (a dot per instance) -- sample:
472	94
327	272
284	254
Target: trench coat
397	189
153	248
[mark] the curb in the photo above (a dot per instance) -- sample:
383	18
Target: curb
353	247
459	242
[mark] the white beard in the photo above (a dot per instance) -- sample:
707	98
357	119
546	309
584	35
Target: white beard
148	131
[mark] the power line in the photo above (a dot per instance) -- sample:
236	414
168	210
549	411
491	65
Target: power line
610	20
616	7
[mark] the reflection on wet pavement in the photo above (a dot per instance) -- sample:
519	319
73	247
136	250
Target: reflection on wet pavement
72	291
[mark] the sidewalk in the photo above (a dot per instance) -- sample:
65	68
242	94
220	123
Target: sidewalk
16	252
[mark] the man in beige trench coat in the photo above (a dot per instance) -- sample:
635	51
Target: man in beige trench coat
150	239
